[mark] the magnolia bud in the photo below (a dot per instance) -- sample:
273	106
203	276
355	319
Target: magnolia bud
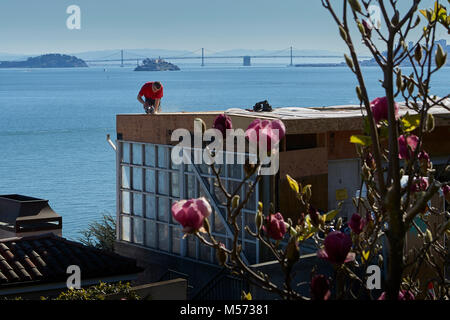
359	93
440	57
307	192
292	251
355	5
428	236
430	122
349	61
343	33
380	260
200	124
339	223
400	80
418	53
259	220
235	201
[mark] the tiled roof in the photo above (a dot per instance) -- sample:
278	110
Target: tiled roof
45	258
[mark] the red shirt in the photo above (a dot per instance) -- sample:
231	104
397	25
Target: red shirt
147	91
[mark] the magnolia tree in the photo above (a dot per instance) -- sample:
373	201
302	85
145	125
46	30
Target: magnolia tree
396	172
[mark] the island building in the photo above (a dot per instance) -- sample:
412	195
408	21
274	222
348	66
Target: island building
316	150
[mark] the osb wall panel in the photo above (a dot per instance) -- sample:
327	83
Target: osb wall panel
339	146
158	128
289	203
303	163
437	143
295	126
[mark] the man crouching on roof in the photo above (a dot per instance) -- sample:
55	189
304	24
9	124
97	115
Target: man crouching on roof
152	92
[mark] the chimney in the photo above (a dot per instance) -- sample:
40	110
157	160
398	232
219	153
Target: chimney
25	216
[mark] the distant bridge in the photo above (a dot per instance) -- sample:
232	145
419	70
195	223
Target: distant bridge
246	59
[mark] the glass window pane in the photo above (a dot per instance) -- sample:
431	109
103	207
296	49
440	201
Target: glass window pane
138	231
163	209
234	171
250	252
137	179
175	184
233	186
150	182
137	205
191	246
126	232
176	239
126	152
171	219
137	153
150	234
220	196
162	157
163	183
190	186
205	253
126	177
218	224
150	208
163	237
126	202
150	155
204	169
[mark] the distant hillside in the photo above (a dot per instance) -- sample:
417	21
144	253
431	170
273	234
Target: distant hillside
46	61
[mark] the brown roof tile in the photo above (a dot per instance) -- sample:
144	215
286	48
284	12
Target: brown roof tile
45	258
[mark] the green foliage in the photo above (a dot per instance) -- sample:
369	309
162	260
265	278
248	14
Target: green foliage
98	292
100	235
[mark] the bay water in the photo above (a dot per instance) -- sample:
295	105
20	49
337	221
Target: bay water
53	122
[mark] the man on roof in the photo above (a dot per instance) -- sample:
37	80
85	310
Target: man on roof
152	92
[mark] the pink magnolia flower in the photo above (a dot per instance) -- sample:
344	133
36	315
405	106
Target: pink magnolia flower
275	226
424	160
272	131
191	213
222	123
406	146
419	184
320	287
380	108
402	295
337	248
446	192
356	223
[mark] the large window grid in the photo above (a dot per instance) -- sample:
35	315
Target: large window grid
148	185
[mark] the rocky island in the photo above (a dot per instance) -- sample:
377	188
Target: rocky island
156	65
53	60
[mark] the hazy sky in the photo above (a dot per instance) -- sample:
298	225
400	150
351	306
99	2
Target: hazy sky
34	27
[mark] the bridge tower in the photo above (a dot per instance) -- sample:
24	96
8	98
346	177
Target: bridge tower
203	57
121	58
291	58
246	61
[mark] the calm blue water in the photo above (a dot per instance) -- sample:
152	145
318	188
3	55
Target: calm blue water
53	123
